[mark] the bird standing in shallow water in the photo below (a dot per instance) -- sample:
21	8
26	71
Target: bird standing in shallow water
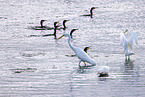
91	12
82	55
127	42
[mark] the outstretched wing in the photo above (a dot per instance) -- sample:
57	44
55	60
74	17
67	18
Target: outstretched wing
133	37
123	41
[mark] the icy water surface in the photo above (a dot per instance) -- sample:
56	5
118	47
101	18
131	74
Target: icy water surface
43	66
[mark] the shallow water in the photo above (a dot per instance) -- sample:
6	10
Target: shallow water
43	66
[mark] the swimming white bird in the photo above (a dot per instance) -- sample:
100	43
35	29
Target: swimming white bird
127	42
81	54
103	71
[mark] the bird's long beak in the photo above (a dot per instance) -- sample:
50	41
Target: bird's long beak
55	23
60	37
58	25
75	29
88	48
125	31
44	20
95	7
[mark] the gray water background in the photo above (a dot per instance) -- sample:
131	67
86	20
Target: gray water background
42	66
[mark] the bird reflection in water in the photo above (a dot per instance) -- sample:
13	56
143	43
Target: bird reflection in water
82	69
102	78
41	27
54	34
129	64
91	12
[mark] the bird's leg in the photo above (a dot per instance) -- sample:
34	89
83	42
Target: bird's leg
80	62
128	57
85	63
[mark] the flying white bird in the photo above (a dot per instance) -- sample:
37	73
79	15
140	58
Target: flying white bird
81	54
127	42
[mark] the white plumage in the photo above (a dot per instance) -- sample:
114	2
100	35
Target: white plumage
103	71
127	42
81	54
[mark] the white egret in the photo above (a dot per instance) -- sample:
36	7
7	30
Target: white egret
81	54
103	71
127	42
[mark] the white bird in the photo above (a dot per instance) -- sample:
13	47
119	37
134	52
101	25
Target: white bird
81	54
127	42
103	71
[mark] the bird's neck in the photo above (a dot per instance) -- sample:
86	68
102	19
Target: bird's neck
127	35
41	23
64	26
91	12
70	43
71	33
55	30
